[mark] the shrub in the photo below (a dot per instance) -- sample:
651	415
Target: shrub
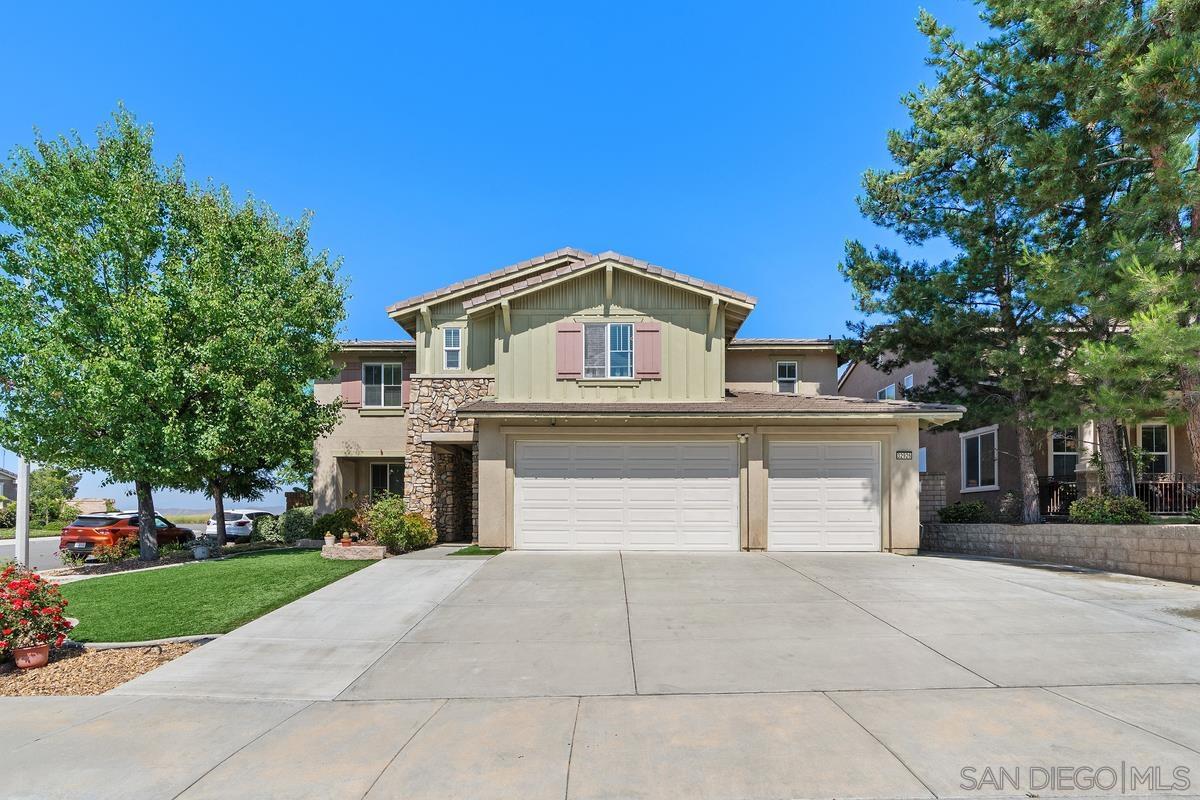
396	530
8	515
1194	516
30	611
125	548
70	559
335	523
974	511
266	529
296	523
1107	509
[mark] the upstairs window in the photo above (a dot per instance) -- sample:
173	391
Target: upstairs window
381	385
608	350
1064	453
452	348
786	376
1155	440
910	380
886	393
979	456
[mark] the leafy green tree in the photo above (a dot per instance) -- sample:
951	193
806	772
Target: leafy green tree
130	305
1109	91
262	324
979	314
49	490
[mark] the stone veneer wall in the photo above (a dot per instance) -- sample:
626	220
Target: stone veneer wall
439	480
933	495
1155	551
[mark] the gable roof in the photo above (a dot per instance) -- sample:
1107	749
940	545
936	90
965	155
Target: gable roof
589	263
565	254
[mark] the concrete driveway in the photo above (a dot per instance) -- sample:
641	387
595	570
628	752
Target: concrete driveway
643	675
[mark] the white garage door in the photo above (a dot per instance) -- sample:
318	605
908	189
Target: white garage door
626	495
823	496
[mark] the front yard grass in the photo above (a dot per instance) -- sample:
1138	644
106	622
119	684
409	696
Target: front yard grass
34	533
204	597
476	550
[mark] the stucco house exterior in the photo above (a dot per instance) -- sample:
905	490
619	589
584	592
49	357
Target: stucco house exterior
580	401
8	486
981	464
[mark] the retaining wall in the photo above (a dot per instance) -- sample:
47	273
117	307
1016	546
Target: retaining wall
1155	551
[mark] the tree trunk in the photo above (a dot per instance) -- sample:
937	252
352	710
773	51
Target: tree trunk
1031	501
147	529
1189	384
1117	480
219	516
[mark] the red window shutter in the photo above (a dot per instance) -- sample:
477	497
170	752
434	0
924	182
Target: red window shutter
568	350
352	387
647	350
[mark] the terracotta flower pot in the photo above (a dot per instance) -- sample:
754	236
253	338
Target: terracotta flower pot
31	657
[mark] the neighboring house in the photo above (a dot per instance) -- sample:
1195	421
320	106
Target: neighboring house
981	464
8	486
91	505
579	401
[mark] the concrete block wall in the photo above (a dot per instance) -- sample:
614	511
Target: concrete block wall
933	495
1171	552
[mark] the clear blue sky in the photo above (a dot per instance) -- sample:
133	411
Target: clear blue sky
437	141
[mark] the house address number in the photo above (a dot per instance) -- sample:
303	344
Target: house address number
904	455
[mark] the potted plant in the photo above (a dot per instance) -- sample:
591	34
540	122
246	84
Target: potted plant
329	540
346	539
30	617
202	546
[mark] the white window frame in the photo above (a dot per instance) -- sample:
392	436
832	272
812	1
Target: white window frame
1170	452
608	376
962	458
447	349
370	476
910	381
882	393
795	380
1051	452
382	386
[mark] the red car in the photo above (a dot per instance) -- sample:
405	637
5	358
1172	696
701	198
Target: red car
89	530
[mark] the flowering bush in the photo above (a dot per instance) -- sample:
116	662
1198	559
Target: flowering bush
30	611
123	549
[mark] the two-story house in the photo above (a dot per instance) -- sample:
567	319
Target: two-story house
580	401
981	464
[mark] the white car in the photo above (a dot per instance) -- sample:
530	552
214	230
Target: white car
238	523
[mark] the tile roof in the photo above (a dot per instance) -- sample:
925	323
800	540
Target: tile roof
592	260
554	255
735	403
347	344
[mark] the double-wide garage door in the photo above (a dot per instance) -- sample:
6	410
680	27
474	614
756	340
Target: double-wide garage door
684	496
626	495
823	496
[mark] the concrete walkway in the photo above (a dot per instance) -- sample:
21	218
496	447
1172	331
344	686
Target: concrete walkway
654	675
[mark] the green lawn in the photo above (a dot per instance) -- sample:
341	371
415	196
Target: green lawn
35	533
204	597
476	550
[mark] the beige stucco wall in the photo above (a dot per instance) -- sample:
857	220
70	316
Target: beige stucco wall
899	488
754	370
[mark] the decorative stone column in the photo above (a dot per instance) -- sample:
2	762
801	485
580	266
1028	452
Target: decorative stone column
440	481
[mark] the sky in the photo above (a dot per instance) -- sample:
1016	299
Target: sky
436	141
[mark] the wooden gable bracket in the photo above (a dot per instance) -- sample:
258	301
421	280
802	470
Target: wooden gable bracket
712	315
504	312
608	283
427	325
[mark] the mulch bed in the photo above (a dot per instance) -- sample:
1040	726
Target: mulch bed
75	671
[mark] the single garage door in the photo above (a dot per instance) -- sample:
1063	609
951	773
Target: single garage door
626	495
823	496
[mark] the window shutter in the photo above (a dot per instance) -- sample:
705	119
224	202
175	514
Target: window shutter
352	387
568	350
405	385
647	350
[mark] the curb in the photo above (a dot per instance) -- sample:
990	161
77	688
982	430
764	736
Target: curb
201	638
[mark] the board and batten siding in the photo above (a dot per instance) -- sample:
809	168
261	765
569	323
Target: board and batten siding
692	366
478	341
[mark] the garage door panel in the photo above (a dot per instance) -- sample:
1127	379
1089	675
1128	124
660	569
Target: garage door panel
640	495
823	496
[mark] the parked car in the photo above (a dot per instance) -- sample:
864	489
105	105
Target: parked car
89	530
238	523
